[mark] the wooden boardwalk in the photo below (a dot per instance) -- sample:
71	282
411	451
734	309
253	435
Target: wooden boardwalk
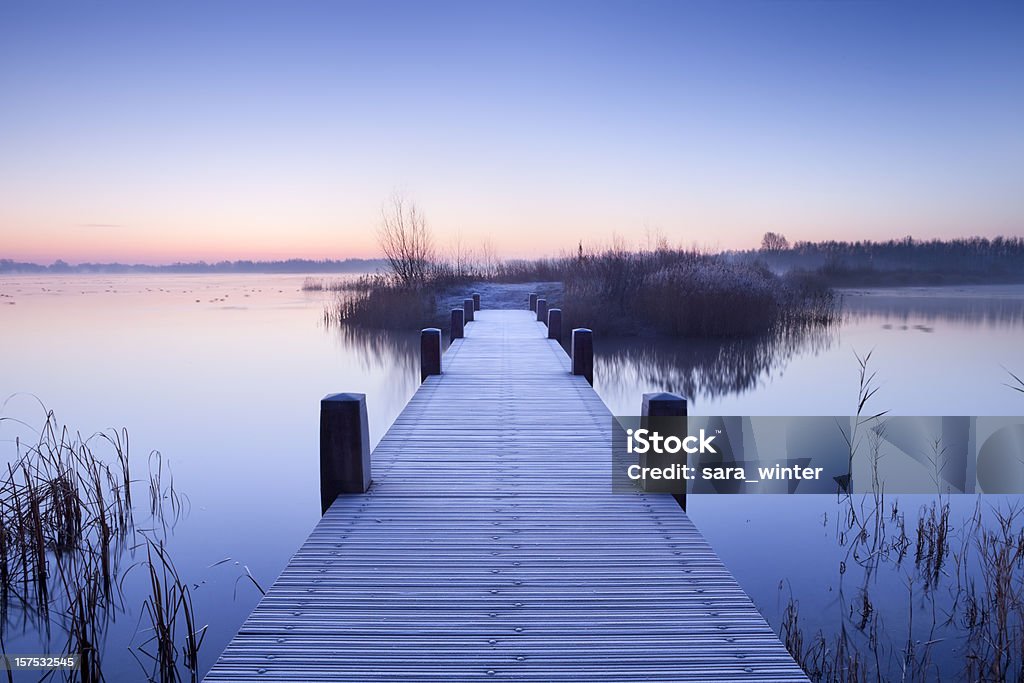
491	548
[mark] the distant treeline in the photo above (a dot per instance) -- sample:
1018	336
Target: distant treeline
904	261
289	266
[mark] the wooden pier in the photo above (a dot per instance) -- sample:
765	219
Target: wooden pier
490	547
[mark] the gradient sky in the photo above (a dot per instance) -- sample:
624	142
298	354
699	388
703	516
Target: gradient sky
153	132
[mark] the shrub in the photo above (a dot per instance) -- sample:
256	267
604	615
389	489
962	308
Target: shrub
382	304
671	292
684	293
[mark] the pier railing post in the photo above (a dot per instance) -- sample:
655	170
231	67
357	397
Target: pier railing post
344	447
476	302
663	404
467	308
533	301
458	323
542	310
430	352
555	324
583	353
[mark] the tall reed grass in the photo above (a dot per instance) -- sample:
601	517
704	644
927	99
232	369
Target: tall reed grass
686	293
319	284
962	614
670	292
378	301
67	526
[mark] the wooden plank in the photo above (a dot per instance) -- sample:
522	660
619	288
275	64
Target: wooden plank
491	548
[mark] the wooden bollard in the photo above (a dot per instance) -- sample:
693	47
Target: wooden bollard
458	323
467	308
583	353
663	404
344	447
555	324
476	302
430	352
542	310
533	301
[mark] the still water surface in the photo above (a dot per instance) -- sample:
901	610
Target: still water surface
223	375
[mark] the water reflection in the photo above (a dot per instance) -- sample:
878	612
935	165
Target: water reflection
972	333
162	356
975	306
230	397
78	550
381	350
702	367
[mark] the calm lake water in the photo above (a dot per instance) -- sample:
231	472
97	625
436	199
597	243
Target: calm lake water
223	375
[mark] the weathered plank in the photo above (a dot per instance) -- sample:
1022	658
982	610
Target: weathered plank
490	548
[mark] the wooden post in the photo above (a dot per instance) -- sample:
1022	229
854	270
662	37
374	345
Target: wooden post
476	302
542	311
458	323
663	404
430	352
583	353
467	308
533	301
344	447
555	324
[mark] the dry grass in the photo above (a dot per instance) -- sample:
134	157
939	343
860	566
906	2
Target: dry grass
1017	384
380	302
67	524
964	589
319	284
670	292
686	293
174	637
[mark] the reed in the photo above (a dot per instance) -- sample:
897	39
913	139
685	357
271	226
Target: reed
66	524
964	588
382	303
993	614
672	292
688	293
171	618
1017	384
319	284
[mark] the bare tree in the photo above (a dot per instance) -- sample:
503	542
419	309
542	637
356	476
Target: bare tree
405	240
773	241
656	240
461	256
488	258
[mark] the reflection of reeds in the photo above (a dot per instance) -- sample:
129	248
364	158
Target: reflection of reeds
964	591
60	501
906	309
932	546
820	659
993	613
166	504
708	368
383	349
65	521
171	619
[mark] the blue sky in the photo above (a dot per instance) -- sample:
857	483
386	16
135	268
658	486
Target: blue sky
158	131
